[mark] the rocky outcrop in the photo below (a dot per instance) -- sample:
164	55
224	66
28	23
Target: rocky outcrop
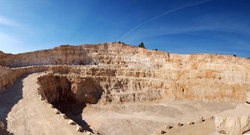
234	122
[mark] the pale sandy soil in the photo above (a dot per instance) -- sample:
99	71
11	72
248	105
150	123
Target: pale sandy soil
149	118
199	128
25	114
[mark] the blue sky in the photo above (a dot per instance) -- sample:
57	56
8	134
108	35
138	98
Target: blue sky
175	26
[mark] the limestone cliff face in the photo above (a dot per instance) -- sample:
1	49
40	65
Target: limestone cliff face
130	74
60	88
135	85
113	54
59	55
7	77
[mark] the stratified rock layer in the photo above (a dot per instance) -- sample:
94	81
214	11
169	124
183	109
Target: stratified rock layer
60	88
130	74
8	76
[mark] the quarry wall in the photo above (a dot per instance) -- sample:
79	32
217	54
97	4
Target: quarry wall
130	74
8	76
132	85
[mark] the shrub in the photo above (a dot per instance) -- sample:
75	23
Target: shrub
141	45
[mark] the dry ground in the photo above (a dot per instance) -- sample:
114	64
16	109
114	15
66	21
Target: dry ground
25	114
149	118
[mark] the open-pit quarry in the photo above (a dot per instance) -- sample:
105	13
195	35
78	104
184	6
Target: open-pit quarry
118	89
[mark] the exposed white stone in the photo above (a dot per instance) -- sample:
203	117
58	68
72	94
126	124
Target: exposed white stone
233	122
71	122
79	129
64	116
190	123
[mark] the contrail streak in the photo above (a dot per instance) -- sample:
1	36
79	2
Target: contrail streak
165	13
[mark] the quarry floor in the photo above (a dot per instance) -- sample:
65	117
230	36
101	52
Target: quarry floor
24	113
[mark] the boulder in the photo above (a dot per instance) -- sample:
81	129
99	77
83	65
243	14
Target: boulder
190	123
233	122
71	122
79	129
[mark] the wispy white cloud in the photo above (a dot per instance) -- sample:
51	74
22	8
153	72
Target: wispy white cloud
197	24
150	32
163	14
7	22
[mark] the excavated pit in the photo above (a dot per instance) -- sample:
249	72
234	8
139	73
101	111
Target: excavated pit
98	98
70	96
115	88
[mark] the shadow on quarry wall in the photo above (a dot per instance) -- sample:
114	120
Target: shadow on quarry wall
9	98
70	96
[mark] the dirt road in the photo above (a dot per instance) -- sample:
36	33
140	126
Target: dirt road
25	114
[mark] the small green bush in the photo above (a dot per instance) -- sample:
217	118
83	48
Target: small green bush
141	45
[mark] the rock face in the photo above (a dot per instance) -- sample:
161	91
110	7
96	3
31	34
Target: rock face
60	88
233	122
8	76
129	74
55	88
59	55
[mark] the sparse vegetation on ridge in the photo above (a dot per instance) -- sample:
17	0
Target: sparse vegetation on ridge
141	45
